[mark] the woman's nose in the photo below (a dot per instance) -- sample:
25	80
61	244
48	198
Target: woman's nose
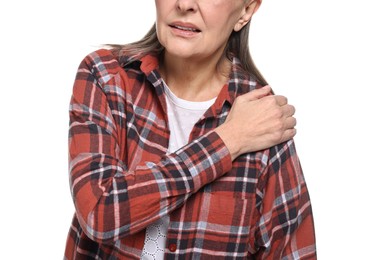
187	5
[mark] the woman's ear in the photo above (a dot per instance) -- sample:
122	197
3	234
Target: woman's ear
249	9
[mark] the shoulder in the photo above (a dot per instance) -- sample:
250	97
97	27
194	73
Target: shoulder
242	80
102	64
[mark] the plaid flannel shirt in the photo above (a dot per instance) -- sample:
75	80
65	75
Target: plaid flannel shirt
122	179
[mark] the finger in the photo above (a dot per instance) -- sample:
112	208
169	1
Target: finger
281	100
288	110
290	122
289	134
258	93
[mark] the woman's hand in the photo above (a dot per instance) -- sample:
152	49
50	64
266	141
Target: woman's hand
257	121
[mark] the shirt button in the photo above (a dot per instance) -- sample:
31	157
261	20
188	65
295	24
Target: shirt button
172	247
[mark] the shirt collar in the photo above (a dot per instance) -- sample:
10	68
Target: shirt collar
240	81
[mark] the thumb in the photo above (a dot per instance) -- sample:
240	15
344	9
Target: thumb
258	93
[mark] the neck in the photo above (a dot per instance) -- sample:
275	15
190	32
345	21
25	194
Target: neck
195	80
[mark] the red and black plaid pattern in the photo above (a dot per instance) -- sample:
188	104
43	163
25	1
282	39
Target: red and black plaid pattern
122	178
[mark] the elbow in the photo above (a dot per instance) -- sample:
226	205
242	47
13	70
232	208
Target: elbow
100	230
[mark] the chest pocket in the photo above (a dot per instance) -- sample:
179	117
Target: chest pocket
241	181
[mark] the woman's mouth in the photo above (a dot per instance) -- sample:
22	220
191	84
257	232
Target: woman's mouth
184	28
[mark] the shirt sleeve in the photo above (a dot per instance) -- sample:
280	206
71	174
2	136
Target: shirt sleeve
111	201
284	226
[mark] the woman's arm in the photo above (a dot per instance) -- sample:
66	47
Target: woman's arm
111	201
284	225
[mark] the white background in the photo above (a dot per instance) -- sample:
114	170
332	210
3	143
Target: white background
321	54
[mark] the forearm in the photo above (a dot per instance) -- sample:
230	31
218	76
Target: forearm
113	202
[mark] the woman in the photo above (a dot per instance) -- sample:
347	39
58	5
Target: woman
178	152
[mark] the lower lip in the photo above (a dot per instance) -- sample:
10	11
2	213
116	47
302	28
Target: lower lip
183	33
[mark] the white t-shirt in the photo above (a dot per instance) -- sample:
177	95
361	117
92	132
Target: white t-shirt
182	116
